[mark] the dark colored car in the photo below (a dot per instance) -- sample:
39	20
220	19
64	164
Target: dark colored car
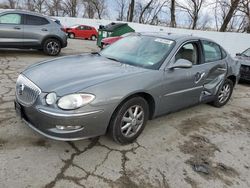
28	30
244	58
117	90
81	31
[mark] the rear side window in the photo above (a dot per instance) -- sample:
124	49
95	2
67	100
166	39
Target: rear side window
212	51
10	19
35	20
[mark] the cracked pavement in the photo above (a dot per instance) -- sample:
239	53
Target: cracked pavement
163	156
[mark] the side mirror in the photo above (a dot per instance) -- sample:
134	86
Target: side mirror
181	63
238	54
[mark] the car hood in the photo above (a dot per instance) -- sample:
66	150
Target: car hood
244	60
74	73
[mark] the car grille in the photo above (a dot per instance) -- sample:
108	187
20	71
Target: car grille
26	91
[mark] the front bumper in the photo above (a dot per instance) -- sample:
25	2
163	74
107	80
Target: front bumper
64	126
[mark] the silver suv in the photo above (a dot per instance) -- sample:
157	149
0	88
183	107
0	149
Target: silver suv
28	30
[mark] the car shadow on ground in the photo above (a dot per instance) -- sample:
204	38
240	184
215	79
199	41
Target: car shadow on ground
11	52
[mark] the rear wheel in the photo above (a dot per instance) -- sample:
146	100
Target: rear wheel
71	35
93	37
52	47
129	120
224	94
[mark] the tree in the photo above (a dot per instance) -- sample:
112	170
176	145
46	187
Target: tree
244	7
122	6
229	15
144	9
192	7
94	7
54	7
12	4
70	7
131	8
172	12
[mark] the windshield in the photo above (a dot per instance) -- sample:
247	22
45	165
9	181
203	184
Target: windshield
143	51
246	52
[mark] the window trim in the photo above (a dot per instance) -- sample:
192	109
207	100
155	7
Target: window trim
197	41
204	61
21	15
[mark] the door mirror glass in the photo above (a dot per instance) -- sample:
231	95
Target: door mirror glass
181	63
238	54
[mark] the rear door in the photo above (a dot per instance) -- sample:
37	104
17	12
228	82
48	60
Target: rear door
35	29
11	30
215	67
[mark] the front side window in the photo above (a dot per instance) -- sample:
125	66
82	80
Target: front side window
246	53
143	51
35	20
189	52
212	51
10	19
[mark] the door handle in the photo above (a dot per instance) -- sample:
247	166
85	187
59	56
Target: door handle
221	69
17	28
198	77
44	29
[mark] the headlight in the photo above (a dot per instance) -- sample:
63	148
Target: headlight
74	101
50	98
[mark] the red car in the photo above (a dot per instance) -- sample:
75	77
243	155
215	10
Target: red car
110	40
82	31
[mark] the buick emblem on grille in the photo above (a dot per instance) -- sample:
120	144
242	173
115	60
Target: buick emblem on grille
21	88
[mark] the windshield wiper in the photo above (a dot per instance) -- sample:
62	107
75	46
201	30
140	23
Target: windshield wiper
114	59
96	53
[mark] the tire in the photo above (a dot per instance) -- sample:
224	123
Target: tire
224	94
132	127
52	47
93	37
71	35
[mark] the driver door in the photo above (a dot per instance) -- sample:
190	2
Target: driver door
183	86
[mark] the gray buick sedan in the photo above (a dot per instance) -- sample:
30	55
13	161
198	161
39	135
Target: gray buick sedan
117	90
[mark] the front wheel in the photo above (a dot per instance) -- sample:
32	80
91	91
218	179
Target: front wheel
129	120
52	47
224	94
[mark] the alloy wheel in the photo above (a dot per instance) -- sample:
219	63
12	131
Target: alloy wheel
224	93
132	121
53	48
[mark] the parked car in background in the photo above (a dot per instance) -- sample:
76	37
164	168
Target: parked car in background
117	90
81	31
244	58
110	40
28	30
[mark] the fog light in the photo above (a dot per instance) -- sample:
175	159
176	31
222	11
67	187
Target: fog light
51	98
68	127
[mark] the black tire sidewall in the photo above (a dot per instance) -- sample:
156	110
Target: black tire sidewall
115	124
216	102
45	47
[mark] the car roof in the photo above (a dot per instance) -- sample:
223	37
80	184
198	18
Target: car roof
24	12
173	36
